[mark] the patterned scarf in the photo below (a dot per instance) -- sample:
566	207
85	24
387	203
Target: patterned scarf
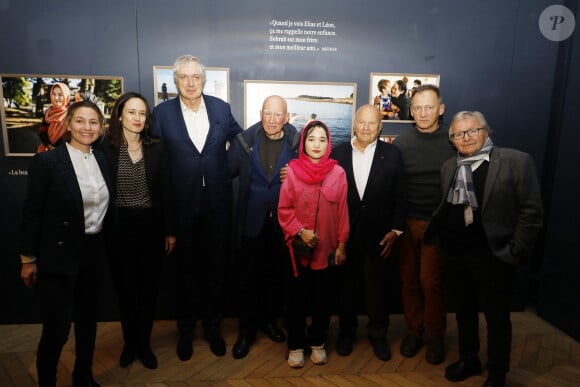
55	114
462	190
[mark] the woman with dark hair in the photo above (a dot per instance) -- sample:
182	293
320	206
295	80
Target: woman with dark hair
66	216
402	104
139	169
313	208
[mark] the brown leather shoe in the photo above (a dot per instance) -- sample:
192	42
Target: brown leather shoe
435	350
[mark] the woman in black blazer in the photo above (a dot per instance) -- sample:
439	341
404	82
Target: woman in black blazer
139	168
66	213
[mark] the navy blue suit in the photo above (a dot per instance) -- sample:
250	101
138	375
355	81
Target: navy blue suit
263	250
202	193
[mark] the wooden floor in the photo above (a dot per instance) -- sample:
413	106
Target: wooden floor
541	356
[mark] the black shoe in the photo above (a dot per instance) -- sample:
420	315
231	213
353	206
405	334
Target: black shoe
463	369
344	345
84	380
128	356
148	358
381	349
273	332
411	345
435	351
494	381
216	344
242	346
184	348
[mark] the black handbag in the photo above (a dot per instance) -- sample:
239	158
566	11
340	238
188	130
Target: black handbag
300	248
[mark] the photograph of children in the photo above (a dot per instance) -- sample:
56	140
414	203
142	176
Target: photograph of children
391	93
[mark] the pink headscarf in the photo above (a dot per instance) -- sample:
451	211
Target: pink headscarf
303	167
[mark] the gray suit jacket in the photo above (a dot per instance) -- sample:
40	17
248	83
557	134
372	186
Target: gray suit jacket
511	211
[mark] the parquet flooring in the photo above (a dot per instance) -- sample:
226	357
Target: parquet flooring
541	356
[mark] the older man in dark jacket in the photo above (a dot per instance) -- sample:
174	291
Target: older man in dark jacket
487	221
256	156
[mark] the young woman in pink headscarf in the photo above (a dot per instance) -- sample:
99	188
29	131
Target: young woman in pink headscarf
313	207
53	126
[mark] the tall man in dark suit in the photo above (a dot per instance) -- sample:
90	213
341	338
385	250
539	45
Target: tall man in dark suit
488	218
195	129
376	204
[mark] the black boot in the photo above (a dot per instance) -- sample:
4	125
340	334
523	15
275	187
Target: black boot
463	369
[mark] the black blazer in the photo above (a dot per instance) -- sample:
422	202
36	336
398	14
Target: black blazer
53	223
382	207
158	182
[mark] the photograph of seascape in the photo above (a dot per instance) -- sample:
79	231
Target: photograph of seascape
332	103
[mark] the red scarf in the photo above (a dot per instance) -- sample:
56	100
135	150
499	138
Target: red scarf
304	168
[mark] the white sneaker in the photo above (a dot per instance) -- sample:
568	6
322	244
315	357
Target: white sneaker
296	358
318	355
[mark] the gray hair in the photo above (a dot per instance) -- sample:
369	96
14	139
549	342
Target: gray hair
466	115
184	59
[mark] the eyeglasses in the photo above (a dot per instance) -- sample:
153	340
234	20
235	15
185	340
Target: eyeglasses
427	108
461	134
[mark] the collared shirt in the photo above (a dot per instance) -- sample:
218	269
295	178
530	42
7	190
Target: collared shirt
361	165
93	188
197	123
478	163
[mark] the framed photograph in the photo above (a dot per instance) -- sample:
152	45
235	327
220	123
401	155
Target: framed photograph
391	93
334	103
217	83
28	104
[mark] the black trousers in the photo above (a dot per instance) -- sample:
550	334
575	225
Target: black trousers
65	298
202	253
365	276
260	267
311	293
477	281
136	271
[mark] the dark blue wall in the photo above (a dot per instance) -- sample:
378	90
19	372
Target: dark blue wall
490	55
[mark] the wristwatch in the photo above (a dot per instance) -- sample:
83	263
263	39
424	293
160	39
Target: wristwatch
299	234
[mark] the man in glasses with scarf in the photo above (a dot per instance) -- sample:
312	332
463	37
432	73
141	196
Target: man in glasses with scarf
488	219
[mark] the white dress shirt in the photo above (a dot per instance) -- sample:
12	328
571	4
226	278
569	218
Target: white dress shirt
197	124
361	165
361	168
93	188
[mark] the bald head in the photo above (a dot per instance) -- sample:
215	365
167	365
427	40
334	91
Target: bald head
367	125
274	115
